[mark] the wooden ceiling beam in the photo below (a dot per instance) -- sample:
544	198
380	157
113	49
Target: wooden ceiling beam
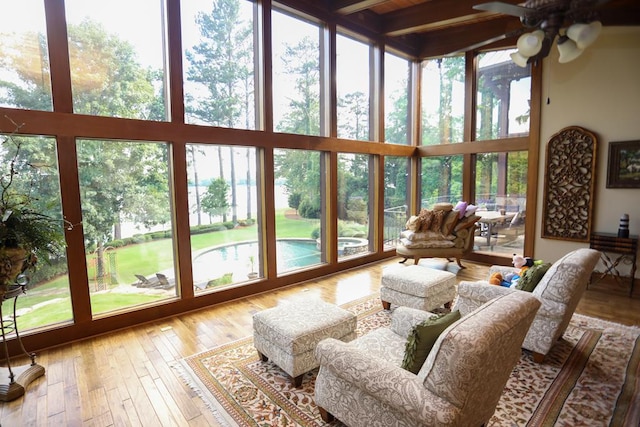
345	7
460	37
433	15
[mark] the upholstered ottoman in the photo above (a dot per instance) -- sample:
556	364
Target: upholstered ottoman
288	334
416	286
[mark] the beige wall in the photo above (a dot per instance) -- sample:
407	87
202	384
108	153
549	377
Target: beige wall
599	91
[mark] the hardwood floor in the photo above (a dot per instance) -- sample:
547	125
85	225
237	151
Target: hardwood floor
126	378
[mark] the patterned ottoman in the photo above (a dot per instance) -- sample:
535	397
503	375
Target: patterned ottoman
416	286
288	334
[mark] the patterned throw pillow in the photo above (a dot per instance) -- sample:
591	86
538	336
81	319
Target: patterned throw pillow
425	217
422	338
450	221
438	219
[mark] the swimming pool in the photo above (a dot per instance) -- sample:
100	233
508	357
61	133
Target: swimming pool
291	254
234	257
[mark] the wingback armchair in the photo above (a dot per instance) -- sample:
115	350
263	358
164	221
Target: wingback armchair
460	383
559	291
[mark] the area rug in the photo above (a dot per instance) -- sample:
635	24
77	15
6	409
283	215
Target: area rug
590	378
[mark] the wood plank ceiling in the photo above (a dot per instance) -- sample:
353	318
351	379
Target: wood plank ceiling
428	28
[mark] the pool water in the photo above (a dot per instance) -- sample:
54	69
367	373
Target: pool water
291	254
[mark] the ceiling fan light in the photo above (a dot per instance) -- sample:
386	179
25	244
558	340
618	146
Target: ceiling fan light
519	60
584	34
529	44
568	50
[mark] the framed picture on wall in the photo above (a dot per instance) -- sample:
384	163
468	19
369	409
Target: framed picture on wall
623	169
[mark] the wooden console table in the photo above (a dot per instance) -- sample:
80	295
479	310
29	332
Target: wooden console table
18	376
626	249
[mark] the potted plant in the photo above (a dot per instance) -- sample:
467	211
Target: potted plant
252	273
26	234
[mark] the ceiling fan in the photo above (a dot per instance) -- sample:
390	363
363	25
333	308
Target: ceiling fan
574	22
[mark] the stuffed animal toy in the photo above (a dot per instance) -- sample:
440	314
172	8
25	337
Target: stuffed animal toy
496	279
511	280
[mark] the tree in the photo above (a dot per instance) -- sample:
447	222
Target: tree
294	200
302	64
300	170
214	66
216	200
355	107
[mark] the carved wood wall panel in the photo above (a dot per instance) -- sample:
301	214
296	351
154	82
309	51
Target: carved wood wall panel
569	185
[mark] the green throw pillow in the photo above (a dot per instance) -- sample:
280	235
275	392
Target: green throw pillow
422	338
532	276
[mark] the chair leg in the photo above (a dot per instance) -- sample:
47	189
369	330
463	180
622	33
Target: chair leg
326	416
404	260
263	358
459	263
297	381
386	305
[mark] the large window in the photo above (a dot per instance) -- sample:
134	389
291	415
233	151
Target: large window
353	79
126	218
299	209
296	75
441	180
223	207
117	59
353	204
396	99
219	86
29	167
25	79
504	93
396	198
442	100
501	191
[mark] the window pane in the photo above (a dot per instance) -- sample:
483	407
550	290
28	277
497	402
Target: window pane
396	92
504	94
501	191
442	100
116	58
224	207
127	222
396	198
441	180
353	79
219	86
25	80
299	208
296	75
353	204
47	300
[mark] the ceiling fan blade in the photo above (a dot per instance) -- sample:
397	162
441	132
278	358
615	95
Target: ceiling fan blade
486	42
505	8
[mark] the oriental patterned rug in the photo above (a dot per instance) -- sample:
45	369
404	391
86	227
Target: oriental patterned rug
590	378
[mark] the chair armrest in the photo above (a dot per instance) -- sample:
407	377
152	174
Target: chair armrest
379	378
552	309
472	295
404	319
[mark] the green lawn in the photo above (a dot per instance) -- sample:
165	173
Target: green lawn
50	302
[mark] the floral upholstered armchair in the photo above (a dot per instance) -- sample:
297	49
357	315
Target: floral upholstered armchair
460	383
559	291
